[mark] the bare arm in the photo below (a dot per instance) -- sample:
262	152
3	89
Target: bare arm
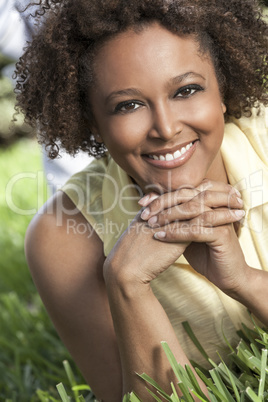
252	292
139	320
141	324
67	269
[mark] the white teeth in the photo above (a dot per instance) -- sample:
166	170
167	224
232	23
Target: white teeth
170	157
177	154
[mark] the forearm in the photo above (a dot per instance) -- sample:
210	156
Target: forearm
254	293
140	325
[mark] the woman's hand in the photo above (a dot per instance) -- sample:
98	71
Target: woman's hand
137	257
204	220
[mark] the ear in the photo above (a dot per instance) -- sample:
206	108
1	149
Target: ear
93	127
97	137
223	106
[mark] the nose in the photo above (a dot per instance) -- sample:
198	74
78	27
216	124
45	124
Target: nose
165	122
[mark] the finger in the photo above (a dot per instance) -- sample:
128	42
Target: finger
147	199
211	185
168	200
201	229
181	212
216	199
196	206
219	217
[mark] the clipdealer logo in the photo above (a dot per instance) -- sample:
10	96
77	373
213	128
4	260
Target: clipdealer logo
122	198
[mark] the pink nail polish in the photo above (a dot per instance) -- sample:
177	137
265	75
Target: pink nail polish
239	200
145	214
144	200
239	214
160	235
152	220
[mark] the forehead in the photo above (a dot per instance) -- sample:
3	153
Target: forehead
150	52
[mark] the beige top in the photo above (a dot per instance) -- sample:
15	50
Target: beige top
108	199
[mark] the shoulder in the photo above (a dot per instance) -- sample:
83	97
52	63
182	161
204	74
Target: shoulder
85	190
60	242
251	131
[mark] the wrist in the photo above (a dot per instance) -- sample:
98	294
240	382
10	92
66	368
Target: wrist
123	280
246	289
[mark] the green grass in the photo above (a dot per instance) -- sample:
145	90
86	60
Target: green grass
31	353
19	194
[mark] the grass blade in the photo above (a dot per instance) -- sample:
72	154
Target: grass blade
263	373
252	395
196	386
212	387
233	380
62	393
134	398
152	382
153	395
176	367
185	392
82	387
220	385
193	338
174	392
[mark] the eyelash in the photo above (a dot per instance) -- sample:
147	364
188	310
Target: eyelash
118	108
193	87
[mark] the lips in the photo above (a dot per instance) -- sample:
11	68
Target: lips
172	158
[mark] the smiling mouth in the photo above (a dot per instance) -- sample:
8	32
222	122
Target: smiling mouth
171	156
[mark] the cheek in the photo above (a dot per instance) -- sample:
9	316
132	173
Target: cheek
124	134
209	121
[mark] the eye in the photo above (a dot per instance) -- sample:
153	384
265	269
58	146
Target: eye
127	106
188	90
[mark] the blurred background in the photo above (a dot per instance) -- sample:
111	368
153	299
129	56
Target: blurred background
31	353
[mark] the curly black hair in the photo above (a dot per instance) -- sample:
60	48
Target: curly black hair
55	73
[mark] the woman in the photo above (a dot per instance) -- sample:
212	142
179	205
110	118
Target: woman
160	84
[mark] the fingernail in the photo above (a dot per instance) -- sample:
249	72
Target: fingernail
144	200
237	192
147	199
240	201
145	214
240	213
154	197
152	220
160	235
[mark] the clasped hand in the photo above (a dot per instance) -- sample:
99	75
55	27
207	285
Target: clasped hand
197	222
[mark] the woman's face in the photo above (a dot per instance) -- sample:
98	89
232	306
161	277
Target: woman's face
158	109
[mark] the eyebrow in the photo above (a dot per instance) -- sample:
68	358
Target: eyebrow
122	92
182	77
136	92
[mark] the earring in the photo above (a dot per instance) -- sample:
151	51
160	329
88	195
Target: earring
97	149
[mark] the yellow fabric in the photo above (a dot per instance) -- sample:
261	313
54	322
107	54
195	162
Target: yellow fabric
108	199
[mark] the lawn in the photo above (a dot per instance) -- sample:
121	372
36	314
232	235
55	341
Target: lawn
31	353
